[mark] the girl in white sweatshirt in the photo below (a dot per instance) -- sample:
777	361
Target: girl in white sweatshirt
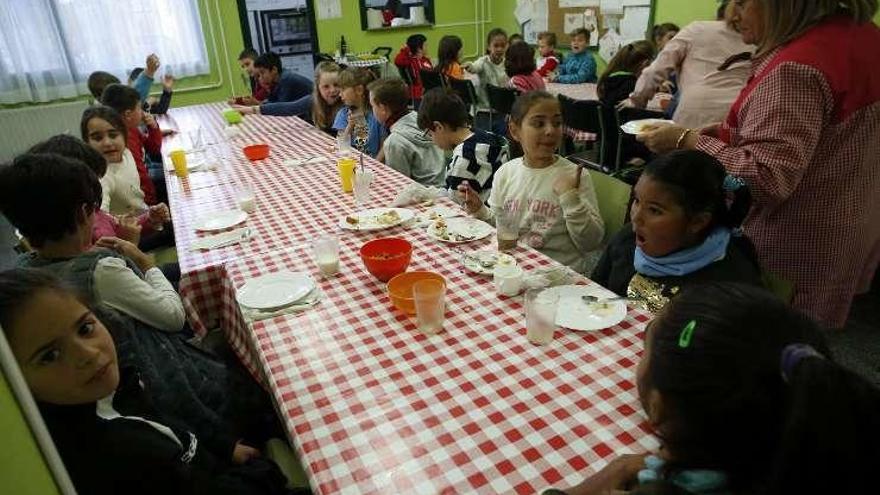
554	200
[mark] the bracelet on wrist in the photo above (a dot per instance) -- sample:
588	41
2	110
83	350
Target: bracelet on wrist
682	137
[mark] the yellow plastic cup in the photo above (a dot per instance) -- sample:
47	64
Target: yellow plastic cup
178	158
346	173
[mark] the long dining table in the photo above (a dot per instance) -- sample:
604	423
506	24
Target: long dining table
371	405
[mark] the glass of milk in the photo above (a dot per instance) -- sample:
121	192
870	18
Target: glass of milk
326	254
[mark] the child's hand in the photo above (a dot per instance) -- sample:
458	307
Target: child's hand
470	199
125	248
245	109
152	65
149	120
159	214
128	229
243	453
566	182
627	103
617	477
168	82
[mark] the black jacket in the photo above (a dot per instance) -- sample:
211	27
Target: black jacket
122	455
616	88
616	270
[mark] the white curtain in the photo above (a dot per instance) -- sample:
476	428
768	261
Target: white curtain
48	48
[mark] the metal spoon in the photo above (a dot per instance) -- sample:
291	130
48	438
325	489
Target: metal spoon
595	300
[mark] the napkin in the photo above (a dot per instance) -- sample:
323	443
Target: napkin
225	239
416	194
307	160
254	315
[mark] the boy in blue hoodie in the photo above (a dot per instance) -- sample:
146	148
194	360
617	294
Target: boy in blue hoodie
579	66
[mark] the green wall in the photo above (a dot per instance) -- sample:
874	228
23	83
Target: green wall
464	18
22	468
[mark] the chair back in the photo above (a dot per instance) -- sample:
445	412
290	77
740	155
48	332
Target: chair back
778	285
384	51
465	90
405	74
612	197
501	99
621	144
431	79
582	115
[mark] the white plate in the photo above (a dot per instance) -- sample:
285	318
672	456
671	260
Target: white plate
635	126
275	290
460	230
471	261
220	220
575	314
372	219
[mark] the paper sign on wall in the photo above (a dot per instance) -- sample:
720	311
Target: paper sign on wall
566	4
329	9
634	23
611	7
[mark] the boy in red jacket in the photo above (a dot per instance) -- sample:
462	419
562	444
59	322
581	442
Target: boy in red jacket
412	59
548	59
127	102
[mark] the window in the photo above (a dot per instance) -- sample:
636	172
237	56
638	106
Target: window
48	48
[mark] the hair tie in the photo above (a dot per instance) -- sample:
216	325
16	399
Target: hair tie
687	333
732	183
792	354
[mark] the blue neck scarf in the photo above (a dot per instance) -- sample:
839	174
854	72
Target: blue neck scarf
687	260
697	481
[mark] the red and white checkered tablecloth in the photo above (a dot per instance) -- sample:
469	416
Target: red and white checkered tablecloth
372	405
280	220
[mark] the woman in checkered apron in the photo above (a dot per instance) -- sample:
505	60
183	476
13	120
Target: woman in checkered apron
805	134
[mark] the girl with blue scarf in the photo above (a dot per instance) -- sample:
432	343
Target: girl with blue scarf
745	399
685	218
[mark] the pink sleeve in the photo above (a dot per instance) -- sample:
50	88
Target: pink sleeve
780	125
104	226
669	59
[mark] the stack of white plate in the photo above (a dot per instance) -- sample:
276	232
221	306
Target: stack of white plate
275	291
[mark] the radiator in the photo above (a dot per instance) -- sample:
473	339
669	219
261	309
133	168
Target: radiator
21	128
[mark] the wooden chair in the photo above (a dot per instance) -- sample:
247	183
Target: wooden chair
585	116
612	197
501	100
431	79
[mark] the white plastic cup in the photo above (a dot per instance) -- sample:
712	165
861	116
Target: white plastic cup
430	301
508	280
326	252
540	307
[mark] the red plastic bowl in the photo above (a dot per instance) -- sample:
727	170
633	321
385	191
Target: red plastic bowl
386	257
256	152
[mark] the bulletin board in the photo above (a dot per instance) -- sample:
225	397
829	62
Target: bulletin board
630	19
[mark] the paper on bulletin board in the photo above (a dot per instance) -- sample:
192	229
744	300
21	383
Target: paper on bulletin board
610	44
538	22
329	9
611	7
591	23
635	3
572	22
567	4
524	11
634	23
